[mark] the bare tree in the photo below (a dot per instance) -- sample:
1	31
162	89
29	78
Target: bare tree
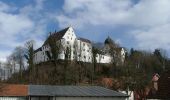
9	66
18	54
29	55
95	51
55	48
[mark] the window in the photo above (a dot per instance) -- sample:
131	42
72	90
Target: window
103	57
83	44
84	57
67	37
67	42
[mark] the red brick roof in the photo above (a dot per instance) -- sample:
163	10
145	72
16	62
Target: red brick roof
14	90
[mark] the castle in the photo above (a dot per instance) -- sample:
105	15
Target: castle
80	49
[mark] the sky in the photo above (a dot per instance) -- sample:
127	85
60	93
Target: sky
139	24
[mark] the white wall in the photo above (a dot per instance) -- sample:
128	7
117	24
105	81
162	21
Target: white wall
103	58
69	40
123	54
84	51
13	98
130	93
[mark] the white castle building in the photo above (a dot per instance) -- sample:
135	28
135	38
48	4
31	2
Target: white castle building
80	49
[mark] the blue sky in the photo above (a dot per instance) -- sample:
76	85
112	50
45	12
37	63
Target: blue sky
141	24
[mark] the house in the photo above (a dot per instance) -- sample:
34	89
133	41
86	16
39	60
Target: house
48	92
80	49
111	52
5	71
164	86
160	89
153	88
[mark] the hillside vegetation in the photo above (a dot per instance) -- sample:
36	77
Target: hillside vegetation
135	73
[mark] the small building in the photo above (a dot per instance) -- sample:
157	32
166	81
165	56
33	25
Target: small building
161	87
48	92
164	86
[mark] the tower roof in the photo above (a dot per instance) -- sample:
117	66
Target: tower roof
108	40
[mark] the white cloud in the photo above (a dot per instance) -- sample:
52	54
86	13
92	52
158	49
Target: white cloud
95	12
4	7
10	26
150	19
149	13
3	55
17	28
156	37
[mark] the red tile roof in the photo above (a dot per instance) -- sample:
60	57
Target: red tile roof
14	90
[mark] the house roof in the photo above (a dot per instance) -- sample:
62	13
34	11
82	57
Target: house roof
39	49
89	91
57	35
84	40
66	91
14	90
108	40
